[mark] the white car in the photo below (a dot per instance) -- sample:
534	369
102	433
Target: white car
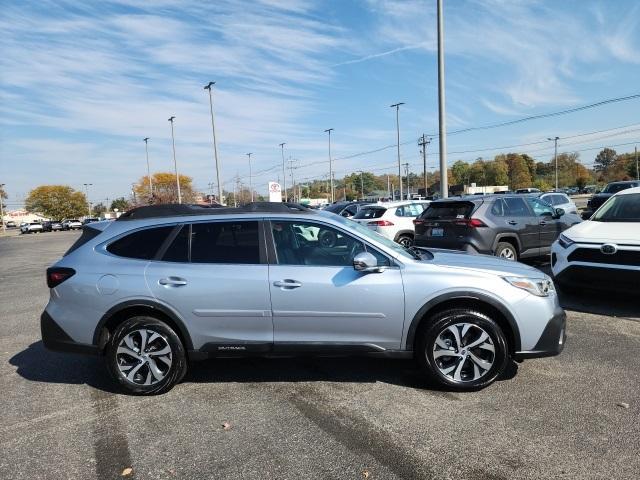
393	220
560	200
71	225
604	251
33	227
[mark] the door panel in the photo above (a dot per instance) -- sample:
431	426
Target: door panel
518	218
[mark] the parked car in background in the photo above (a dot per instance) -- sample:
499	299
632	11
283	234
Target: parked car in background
528	190
560	200
611	189
71	225
50	226
31	227
90	220
604	251
346	209
393	220
507	226
10	224
160	287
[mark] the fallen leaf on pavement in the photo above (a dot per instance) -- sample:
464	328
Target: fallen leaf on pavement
226	426
622	404
127	471
365	474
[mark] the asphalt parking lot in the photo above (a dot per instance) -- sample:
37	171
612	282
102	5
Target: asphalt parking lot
572	416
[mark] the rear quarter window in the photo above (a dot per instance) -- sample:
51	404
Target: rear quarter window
87	234
141	244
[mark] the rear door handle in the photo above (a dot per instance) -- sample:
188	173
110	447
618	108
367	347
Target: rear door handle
543	223
172	282
287	284
512	222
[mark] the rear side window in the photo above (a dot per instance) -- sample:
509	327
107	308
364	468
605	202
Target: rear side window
448	210
225	242
178	251
370	212
142	244
516	207
87	234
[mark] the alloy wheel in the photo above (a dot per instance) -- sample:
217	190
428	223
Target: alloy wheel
508	254
144	357
464	352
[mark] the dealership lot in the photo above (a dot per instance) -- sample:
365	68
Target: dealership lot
572	416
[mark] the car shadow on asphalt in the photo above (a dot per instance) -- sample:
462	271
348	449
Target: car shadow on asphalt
37	364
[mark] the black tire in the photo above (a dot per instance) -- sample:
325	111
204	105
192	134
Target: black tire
428	335
405	240
507	251
167	337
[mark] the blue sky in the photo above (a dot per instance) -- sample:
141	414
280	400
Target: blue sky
82	83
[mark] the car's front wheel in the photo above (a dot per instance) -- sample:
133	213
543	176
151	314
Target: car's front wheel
462	349
405	240
146	356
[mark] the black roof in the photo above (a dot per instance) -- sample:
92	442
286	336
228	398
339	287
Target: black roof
178	210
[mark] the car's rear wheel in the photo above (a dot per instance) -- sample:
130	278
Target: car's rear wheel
507	251
462	349
146	356
405	240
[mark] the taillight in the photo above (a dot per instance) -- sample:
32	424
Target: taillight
418	221
57	275
381	223
470	222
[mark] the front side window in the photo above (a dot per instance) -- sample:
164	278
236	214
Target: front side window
225	242
305	243
141	244
539	207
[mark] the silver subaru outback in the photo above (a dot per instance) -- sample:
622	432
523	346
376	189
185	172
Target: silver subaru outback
168	284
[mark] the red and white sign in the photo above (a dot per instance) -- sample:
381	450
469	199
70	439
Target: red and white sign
275	192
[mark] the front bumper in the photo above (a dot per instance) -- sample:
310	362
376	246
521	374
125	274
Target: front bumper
551	341
56	339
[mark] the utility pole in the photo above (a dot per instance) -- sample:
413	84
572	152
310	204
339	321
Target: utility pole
4	228
146	148
444	181
637	171
406	171
175	163
211	184
293	182
329	130
397	107
284	175
133	192
361	184
250	181
423	142
555	156
388	186
215	146
86	191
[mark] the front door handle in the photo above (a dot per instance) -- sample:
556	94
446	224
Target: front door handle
543	223
172	282
512	222
287	284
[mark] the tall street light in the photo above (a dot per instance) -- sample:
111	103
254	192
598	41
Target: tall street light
284	175
250	181
444	181
397	107
175	164
86	192
555	156
146	148
215	146
329	130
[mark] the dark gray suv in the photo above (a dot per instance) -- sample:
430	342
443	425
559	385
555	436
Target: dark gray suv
508	226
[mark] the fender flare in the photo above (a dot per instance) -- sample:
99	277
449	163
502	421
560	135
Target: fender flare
500	236
184	332
434	302
404	232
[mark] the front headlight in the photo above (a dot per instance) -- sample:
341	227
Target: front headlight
541	287
564	241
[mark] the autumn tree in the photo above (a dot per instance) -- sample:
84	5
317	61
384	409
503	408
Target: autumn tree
165	189
98	209
57	202
519	173
604	159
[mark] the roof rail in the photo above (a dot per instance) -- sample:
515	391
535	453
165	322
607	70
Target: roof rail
178	210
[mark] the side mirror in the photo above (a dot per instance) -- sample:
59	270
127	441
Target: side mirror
365	262
558	212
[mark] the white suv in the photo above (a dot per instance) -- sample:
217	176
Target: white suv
393	220
604	251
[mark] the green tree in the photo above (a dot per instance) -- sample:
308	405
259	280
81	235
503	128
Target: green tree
604	159
497	172
519	175
460	171
121	204
98	209
57	202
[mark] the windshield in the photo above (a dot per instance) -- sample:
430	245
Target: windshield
376	237
370	212
620	208
617	187
337	208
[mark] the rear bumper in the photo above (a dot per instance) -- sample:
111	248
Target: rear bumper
56	339
551	341
465	246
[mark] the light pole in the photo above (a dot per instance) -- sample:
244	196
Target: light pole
86	192
397	107
406	171
4	228
215	146
361	184
175	164
423	142
444	181
284	174
250	182
146	148
329	130
555	156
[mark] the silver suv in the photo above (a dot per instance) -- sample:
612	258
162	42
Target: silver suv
168	284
